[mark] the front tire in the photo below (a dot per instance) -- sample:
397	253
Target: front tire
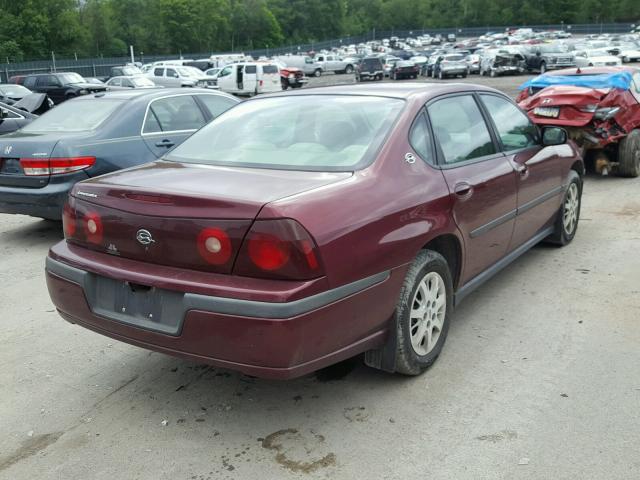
423	313
317	73
543	67
566	224
348	70
440	75
629	155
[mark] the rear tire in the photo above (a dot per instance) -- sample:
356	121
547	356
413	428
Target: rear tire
493	74
349	69
629	155
543	67
440	75
423	312
317	72
569	214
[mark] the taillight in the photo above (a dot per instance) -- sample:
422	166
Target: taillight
68	221
278	249
92	224
214	246
55	166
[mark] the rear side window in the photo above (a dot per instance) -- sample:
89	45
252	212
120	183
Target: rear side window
514	128
30	82
173	114
158	72
216	104
460	129
420	138
270	69
250	69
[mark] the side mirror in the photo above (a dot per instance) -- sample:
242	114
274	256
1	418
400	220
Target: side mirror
554	136
3	114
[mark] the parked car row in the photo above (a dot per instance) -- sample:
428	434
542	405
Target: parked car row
500	54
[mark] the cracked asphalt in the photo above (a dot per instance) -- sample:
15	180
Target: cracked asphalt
540	379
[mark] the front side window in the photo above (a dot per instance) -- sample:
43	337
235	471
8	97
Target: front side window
225	71
173	114
170	72
514	128
216	104
460	129
311	132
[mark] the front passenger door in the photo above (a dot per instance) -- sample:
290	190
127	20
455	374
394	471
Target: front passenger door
481	180
539	170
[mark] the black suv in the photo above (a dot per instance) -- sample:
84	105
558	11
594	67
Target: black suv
370	68
60	86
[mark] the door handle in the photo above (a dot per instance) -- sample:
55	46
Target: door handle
463	189
523	170
165	143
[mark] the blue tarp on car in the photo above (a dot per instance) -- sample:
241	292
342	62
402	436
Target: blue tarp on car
621	80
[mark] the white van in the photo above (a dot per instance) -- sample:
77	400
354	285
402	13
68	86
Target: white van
250	78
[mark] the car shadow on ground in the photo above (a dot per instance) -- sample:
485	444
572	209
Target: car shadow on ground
32	232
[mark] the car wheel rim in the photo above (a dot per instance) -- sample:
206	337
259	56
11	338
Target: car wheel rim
428	310
571	204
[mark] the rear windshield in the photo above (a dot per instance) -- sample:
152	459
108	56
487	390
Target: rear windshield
270	69
74	116
372	62
311	132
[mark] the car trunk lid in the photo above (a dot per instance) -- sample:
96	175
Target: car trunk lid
161	212
19	145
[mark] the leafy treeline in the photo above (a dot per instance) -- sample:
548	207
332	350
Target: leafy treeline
33	28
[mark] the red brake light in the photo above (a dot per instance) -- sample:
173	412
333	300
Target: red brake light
55	166
268	252
214	246
278	249
93	227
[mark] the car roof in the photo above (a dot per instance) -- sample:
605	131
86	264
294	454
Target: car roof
151	93
406	90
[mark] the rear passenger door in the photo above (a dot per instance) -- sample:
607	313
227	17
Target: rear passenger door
50	85
481	180
169	121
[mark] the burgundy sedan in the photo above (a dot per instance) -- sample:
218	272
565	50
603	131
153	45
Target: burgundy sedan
297	230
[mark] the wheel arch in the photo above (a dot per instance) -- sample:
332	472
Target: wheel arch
449	246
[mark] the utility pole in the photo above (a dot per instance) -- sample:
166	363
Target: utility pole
133	59
53	57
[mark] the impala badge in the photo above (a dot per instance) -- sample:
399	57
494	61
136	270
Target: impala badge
144	237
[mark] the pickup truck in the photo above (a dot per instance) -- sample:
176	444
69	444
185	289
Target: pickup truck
333	63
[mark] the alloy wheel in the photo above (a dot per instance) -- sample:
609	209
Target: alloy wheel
571	205
428	310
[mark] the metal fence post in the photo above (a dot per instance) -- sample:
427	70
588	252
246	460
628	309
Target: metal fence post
93	65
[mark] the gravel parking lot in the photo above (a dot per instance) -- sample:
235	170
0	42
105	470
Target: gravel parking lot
539	379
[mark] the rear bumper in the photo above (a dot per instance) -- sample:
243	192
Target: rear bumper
265	339
46	202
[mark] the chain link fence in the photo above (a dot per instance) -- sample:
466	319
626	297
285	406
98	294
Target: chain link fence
101	67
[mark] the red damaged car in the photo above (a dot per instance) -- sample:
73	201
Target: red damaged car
355	223
599	107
